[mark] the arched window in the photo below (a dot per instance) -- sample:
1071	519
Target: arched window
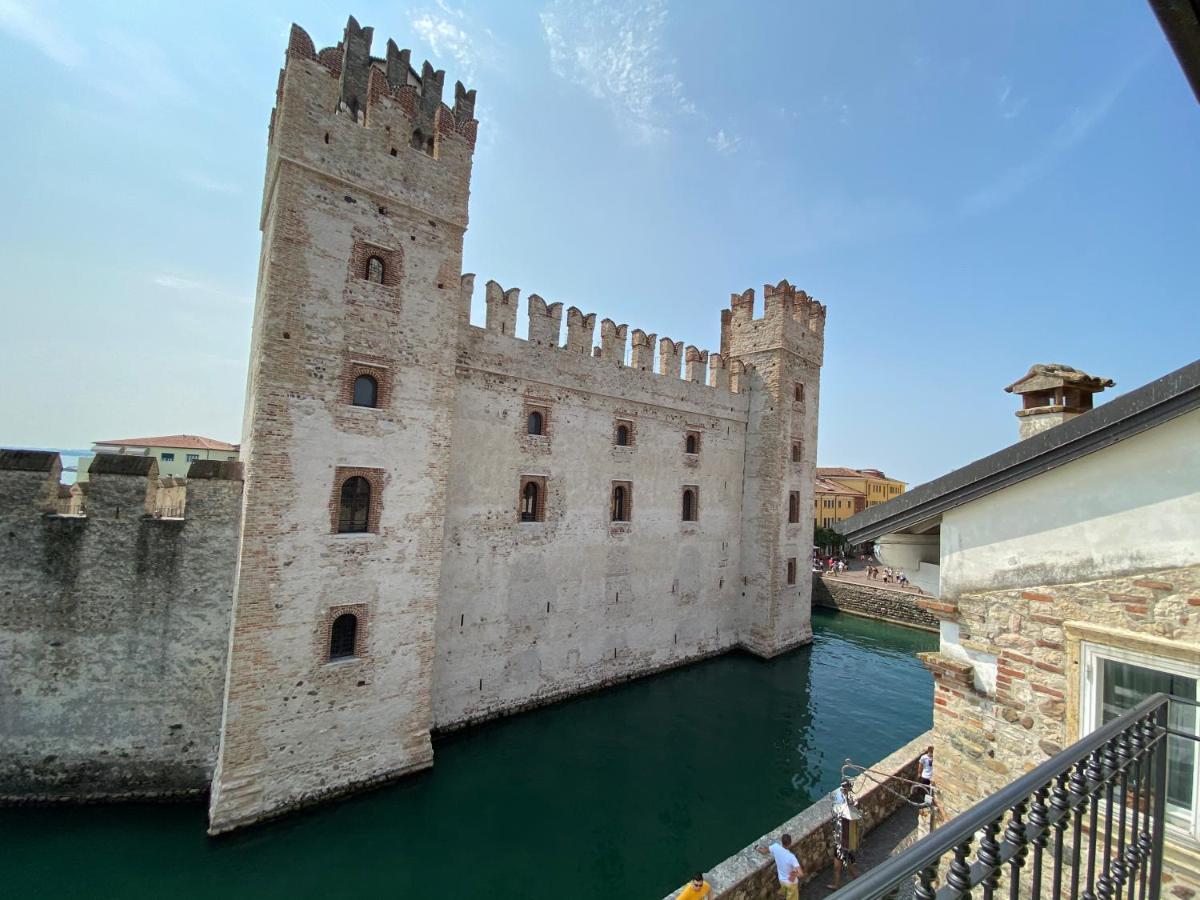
343	635
529	502
691	444
418	140
355	510
366	391
620	504
622	435
536	422
689	505
793	507
375	269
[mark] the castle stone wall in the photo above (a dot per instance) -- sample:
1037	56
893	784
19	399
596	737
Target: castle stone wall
113	631
872	602
531	611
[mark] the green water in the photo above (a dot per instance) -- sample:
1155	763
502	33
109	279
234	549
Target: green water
619	794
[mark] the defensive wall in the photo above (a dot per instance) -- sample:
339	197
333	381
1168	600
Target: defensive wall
114	627
872	601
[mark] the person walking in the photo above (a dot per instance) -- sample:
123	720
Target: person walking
696	889
787	867
846	818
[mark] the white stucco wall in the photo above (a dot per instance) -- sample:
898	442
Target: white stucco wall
1133	506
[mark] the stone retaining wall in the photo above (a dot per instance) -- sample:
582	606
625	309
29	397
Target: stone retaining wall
748	875
872	602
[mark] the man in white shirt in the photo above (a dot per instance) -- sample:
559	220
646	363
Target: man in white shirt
787	867
924	776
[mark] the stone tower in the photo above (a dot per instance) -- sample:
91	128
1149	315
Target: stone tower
1052	393
780	355
347	429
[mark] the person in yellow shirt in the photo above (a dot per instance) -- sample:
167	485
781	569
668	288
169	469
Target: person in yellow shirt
696	889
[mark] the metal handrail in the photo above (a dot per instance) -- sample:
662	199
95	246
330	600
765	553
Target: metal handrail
883	879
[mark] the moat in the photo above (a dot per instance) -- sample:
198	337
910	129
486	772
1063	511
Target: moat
618	794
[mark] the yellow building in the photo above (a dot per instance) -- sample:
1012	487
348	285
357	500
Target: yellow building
174	452
875	487
833	502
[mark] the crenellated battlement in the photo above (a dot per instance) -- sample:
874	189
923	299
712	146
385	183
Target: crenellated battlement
367	84
119	487
630	351
790	318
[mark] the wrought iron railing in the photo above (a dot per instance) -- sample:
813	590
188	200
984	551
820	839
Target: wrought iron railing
1087	824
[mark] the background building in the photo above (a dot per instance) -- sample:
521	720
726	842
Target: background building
875	487
833	502
173	452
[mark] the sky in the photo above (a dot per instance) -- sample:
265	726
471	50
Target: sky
968	193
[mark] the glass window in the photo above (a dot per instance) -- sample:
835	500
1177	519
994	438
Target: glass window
343	636
620	504
622	435
355	510
366	391
193	457
168	457
692	444
536	422
1115	681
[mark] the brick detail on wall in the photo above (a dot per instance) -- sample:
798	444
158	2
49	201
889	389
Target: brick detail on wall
356	364
393	263
362	645
375	477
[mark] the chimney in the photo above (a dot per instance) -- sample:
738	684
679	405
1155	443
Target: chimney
1052	393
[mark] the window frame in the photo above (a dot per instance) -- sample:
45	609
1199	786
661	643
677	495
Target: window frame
354	637
167	457
383	267
793	507
543	415
626	503
191	457
694	490
1182	825
627	424
375	390
538	482
789	572
366	510
693	435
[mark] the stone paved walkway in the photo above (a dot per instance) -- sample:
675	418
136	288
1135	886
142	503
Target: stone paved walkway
857	573
894	834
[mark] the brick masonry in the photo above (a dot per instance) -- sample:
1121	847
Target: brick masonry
872	602
984	739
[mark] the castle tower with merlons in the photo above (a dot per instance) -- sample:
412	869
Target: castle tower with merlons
444	523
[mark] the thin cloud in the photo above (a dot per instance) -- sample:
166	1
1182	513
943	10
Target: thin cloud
615	51
450	32
36	29
135	71
725	143
195	286
1080	123
1009	106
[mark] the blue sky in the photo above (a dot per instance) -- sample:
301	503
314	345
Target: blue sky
969	193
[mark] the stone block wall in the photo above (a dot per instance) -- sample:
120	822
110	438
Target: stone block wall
748	875
113	631
872	602
1009	684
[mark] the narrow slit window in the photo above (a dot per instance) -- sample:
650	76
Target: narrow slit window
354	513
691	443
343	637
793	507
366	391
536	423
799	392
620	503
531	503
375	270
622	435
797	451
791	570
689	504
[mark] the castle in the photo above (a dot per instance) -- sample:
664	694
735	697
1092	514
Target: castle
439	523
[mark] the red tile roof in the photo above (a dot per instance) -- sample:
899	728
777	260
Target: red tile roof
182	441
825	486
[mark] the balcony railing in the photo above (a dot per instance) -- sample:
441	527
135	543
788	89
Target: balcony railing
1087	824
